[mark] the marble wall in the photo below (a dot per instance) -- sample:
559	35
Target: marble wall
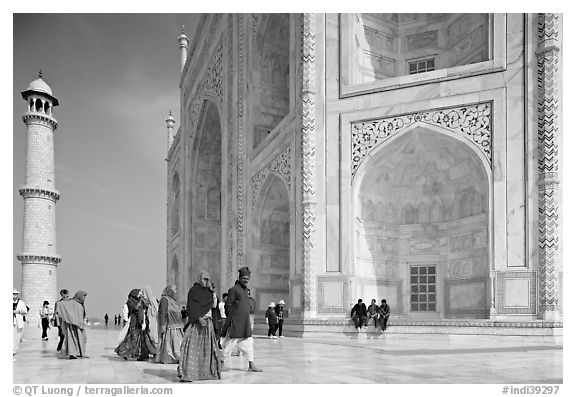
345	171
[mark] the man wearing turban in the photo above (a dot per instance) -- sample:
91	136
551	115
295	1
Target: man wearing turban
239	333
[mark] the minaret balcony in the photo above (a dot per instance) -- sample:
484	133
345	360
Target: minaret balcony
27	257
37	192
40	118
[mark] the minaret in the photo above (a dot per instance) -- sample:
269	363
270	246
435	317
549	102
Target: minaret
38	257
183	40
170	127
170	132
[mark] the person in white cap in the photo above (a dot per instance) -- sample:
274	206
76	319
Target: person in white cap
19	310
271	320
279	309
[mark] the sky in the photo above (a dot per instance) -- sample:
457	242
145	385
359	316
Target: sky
116	77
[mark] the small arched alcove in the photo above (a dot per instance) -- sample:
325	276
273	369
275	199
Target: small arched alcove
421	204
175	205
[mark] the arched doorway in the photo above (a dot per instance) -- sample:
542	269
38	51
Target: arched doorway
270	236
205	203
422	227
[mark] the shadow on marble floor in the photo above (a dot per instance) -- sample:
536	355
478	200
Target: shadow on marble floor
169	375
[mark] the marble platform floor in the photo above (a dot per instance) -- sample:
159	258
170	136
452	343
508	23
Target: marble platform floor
399	359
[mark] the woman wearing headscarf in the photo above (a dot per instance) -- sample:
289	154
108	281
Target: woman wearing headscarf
199	355
170	326
73	315
137	343
151	313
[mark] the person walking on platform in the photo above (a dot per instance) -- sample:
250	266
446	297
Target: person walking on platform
58	317
170	326
271	320
73	326
199	354
238	312
223	319
45	317
151	314
137	342
279	309
19	310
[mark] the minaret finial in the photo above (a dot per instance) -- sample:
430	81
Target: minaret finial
170	112
40	73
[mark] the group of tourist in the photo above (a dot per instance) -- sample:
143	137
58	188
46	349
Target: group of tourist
199	342
117	320
212	331
275	319
69	315
378	313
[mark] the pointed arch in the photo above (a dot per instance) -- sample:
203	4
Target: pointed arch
425	171
205	189
175	204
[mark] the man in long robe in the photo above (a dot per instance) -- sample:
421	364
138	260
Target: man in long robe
58	317
73	323
239	332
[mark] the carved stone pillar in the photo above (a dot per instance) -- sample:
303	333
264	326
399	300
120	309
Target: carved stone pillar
241	148
308	162
548	165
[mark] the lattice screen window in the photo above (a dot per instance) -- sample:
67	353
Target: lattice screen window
423	288
421	66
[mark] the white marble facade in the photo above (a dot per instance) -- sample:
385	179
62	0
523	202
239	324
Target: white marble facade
368	156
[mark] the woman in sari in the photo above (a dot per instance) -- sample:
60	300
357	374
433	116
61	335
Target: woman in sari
151	313
73	316
137	343
199	355
170	325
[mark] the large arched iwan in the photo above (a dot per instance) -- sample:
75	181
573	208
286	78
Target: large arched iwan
421	204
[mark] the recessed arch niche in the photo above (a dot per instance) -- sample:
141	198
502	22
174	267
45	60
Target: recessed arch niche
175	275
175	205
205	203
272	78
421	220
383	46
270	242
